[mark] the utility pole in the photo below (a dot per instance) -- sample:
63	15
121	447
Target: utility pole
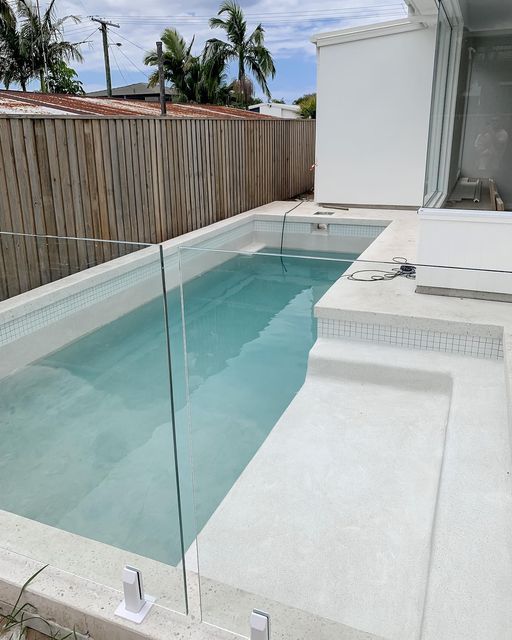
104	31
161	78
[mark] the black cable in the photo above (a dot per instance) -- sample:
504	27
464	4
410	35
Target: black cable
405	270
282	232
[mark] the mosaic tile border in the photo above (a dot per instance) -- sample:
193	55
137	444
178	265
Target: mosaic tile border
93	293
412	338
217	242
275	226
59	309
356	230
347	230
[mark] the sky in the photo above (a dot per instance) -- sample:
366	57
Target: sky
289	25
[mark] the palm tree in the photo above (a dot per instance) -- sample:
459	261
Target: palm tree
248	51
6	12
15	61
196	78
43	38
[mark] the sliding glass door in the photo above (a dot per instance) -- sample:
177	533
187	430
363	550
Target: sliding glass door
443	105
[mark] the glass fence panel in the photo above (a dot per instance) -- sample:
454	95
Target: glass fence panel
87	464
350	448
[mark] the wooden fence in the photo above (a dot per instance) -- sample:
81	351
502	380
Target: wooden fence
133	179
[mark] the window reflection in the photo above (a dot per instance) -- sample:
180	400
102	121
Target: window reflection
477	113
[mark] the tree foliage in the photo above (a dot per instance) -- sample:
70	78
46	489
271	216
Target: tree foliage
307	104
15	62
6	12
64	79
203	78
247	51
196	78
32	44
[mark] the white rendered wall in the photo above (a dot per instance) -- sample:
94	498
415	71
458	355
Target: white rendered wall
278	110
469	239
373	117
287	112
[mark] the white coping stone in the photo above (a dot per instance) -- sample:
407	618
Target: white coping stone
296	528
396	302
88	599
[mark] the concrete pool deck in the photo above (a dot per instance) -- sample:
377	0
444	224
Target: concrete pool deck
336	513
458	588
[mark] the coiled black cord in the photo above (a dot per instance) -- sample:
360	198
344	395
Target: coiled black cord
405	270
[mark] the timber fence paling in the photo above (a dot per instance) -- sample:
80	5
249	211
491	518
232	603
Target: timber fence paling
135	180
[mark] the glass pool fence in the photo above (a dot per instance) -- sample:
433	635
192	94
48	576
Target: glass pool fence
301	435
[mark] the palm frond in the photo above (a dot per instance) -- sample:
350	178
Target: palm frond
253	63
217	23
249	52
6	13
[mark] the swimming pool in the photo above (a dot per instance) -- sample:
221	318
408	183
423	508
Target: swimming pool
86	435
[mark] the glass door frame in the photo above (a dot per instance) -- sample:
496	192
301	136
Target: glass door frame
441	130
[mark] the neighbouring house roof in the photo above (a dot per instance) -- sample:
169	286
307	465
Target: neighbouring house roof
32	103
135	89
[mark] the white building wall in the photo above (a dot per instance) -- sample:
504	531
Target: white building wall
374	95
467	239
287	111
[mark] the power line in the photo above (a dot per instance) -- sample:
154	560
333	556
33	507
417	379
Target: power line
117	63
145	73
303	15
86	37
131	42
92	33
268	23
83	29
302	12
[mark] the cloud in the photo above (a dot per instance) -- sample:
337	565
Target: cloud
289	25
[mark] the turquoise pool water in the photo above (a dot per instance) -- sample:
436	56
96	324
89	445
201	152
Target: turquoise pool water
86	439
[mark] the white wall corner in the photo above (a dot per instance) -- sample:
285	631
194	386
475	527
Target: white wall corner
422	7
374	30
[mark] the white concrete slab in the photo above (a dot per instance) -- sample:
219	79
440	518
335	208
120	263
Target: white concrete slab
341	514
334	513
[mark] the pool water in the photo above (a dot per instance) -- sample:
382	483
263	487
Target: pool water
86	436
